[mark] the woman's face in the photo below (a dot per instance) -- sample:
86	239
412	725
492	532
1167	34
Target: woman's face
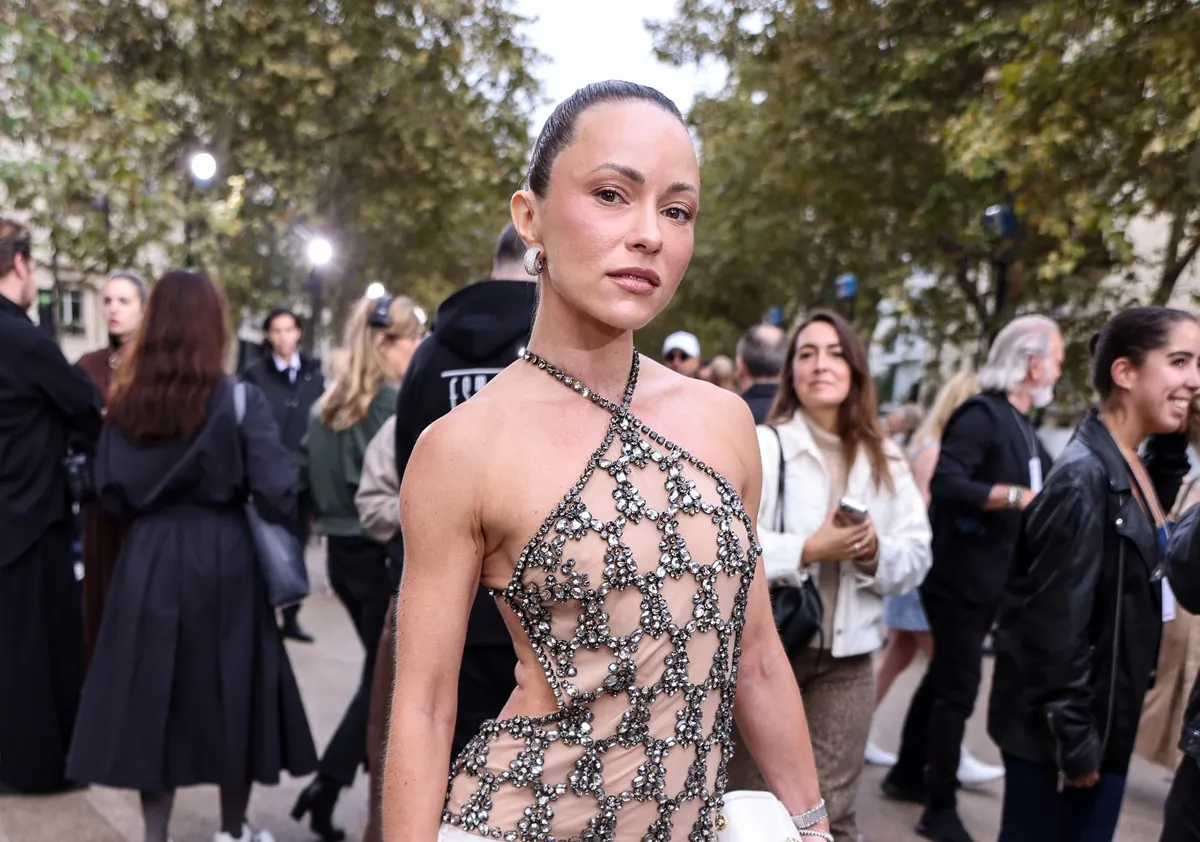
122	308
397	354
1163	388
820	372
617	222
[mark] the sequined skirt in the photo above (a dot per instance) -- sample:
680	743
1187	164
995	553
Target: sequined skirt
448	833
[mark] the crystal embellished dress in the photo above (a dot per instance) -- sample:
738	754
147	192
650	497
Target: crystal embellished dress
633	595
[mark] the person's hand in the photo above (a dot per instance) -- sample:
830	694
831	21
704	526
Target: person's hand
834	542
1027	496
1086	782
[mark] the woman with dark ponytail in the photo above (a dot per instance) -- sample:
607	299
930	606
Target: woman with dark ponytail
1080	620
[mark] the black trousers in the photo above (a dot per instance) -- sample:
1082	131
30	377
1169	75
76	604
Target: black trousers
41	663
1181	818
358	574
303	513
937	716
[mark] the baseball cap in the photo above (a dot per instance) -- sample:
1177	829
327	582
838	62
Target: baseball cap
683	341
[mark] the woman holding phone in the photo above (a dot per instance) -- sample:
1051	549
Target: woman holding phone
848	514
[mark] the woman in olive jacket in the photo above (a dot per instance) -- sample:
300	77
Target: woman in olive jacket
1079	625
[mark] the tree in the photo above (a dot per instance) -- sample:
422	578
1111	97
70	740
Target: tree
396	130
75	143
869	137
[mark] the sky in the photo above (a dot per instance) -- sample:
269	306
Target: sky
586	41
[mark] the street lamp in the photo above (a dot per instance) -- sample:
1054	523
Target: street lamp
202	167
320	252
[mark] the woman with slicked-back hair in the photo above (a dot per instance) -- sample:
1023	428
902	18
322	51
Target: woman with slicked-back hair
608	503
189	682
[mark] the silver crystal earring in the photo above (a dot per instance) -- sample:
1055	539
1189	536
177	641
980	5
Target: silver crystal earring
534	261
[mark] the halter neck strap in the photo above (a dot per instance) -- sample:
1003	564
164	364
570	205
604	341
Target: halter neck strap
576	384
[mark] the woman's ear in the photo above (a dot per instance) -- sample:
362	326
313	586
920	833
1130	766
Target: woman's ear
523	208
1124	375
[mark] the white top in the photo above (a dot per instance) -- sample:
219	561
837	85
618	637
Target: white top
901	525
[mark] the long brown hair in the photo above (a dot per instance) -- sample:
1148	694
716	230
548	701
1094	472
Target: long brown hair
858	421
175	361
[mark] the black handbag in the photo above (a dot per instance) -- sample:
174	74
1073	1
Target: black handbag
797	610
280	555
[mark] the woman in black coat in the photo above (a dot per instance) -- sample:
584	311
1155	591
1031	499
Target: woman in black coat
1077	637
189	683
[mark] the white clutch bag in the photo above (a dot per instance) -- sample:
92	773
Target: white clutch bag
751	816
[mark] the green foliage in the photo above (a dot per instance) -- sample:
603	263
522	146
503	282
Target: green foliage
869	137
396	130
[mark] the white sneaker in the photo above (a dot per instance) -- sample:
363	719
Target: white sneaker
974	772
248	835
877	756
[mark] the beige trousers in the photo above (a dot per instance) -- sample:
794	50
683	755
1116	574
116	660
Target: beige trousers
839	702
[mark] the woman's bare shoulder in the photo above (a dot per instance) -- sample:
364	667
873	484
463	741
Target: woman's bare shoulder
725	417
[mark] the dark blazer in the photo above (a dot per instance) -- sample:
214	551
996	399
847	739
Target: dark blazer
1078	630
760	396
290	402
987	442
1183	566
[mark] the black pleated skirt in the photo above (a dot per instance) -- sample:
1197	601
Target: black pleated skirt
189	682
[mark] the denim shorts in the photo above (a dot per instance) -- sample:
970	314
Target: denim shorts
904	612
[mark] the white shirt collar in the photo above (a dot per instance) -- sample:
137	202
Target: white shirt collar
287	365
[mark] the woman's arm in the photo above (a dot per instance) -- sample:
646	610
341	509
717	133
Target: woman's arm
1057	581
904	537
268	464
767	707
444	547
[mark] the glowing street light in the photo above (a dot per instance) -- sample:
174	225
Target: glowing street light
375	291
203	166
320	251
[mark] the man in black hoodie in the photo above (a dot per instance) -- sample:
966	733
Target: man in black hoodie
477	332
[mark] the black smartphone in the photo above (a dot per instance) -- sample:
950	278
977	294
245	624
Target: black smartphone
852	511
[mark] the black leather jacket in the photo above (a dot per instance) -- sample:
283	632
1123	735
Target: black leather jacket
1183	564
1081	616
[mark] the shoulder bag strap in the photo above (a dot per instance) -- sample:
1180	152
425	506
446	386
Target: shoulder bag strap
239	401
779	492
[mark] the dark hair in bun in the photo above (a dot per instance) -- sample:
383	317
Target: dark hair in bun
1131	334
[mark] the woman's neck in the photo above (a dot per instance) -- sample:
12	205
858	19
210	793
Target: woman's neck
824	418
597	355
1126	429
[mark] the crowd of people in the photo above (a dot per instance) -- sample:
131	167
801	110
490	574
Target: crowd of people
607	595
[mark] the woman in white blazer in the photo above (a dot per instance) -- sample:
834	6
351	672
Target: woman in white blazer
824	430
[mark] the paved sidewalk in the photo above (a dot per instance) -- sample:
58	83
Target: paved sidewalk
328	671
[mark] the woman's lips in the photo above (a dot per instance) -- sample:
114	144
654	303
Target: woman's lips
633	283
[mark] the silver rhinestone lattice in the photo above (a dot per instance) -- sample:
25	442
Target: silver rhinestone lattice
546	579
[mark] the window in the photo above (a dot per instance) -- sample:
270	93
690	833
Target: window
70	311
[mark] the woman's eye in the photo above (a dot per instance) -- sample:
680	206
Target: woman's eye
608	195
679	214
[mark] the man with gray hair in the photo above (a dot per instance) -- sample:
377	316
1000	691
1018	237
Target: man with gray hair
760	355
990	467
